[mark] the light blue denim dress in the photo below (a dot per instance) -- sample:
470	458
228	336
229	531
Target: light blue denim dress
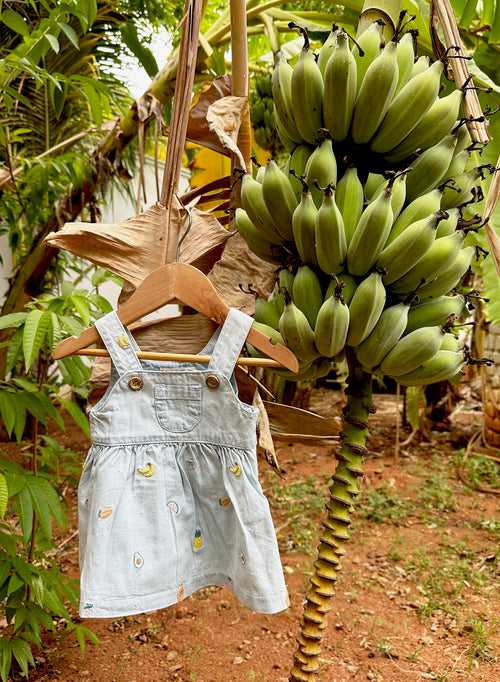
169	499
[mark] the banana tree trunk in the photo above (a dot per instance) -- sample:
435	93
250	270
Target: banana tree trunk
491	385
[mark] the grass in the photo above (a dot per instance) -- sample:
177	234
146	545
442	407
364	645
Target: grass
479	648
301	503
383	505
479	470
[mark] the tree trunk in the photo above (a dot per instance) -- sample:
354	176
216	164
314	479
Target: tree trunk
491	385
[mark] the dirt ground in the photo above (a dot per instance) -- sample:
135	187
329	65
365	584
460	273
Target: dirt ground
418	597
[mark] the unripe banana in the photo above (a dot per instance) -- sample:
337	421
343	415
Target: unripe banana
365	308
462	190
349	286
307	94
406	58
297	332
442	367
451	342
448	226
297	162
267	313
412	350
331	245
375	95
286	140
321	169
326	50
434	312
252	200
280	199
398	193
282	97
419	208
463	138
421	65
407	108
386	333
374	182
349	199
260	246
435	124
271	333
457	165
370	235
370	41
259	176
438	257
399	257
450	277
340	89
332	325
304	228
285	280
429	169
307	294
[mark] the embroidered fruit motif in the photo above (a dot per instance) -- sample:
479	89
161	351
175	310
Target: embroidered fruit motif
138	560
197	540
105	512
122	341
224	501
235	469
148	470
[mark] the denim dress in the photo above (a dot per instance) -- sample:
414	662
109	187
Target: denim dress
169	499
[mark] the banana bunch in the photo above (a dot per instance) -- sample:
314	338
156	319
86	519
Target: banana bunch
262	113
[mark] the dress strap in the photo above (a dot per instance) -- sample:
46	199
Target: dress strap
119	343
230	342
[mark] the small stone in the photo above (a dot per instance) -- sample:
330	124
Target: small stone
289	570
238	660
171	655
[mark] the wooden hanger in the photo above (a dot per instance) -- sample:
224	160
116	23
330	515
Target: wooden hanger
183	283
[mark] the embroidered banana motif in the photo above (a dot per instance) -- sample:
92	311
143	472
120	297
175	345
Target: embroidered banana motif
147	471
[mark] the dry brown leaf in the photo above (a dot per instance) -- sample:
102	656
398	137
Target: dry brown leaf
224	118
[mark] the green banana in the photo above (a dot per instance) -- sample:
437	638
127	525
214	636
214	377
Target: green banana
435	260
370	42
443	366
412	350
266	313
435	311
448	279
307	294
321	169
340	89
451	342
435	124
457	165
285	280
429	169
326	50
407	108
260	246
297	333
462	190
365	308
307	94
448	226
386	333
374	182
297	163
348	284
371	234
349	199
332	324
463	138
421	65
331	245
252	200
419	208
280	199
259	176
286	140
282	97
271	333
304	228
399	257
375	95
398	193
406	58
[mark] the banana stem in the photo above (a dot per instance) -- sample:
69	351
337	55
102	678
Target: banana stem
344	490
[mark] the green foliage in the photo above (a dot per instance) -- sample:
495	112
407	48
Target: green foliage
384	505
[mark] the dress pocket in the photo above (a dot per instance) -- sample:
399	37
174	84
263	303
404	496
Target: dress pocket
178	408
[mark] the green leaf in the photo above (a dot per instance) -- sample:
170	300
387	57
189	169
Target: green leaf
22	653
14	350
135	45
82	307
6	659
5	567
12	320
15	22
4	495
415	400
41	506
8	410
20	422
77	415
24	506
70	33
53	42
15	583
52	498
35	329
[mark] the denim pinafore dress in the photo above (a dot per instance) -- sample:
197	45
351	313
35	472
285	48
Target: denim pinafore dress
169	499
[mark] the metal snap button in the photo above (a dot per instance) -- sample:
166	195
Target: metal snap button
135	383
212	381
